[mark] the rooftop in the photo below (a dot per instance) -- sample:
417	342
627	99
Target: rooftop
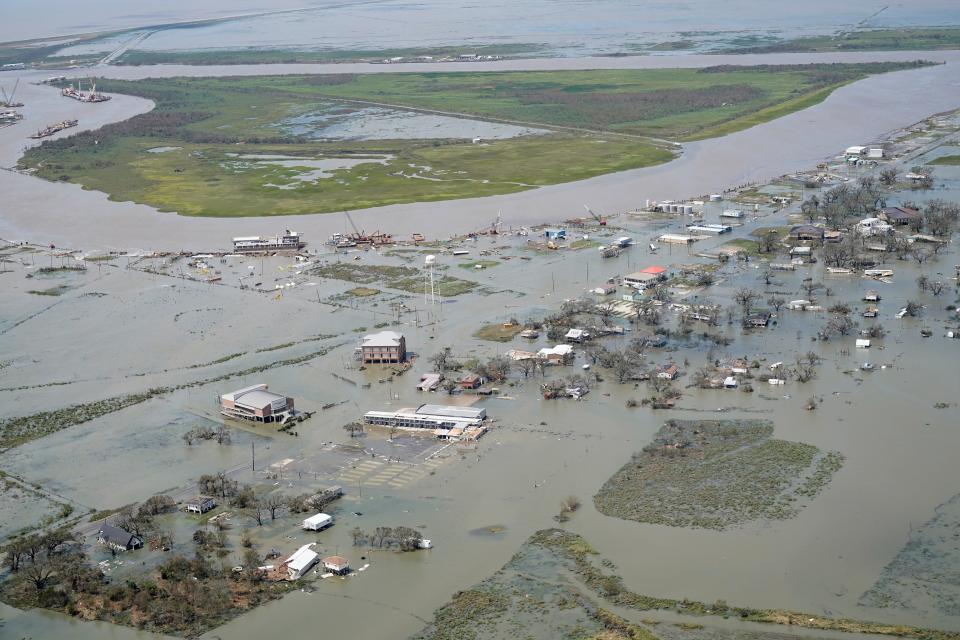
382	339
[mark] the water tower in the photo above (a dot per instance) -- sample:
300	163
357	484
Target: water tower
429	287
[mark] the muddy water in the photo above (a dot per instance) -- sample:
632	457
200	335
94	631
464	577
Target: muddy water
899	449
899	464
44	212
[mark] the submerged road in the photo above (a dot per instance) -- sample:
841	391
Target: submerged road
65	214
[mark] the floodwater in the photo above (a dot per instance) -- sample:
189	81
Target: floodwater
150	330
379	123
855	114
556	28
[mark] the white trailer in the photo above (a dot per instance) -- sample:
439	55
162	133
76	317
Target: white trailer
318	522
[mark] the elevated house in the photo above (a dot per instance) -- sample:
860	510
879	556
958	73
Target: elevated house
337	565
577	335
429	381
386	347
118	539
257	404
199	504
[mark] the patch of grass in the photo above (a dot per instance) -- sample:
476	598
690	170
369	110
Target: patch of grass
595	118
498	332
903	38
362	292
484	264
750	247
58	290
583	244
946	160
226	358
715	474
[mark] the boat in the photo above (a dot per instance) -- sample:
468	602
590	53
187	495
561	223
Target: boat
867	366
838	270
54	128
84	96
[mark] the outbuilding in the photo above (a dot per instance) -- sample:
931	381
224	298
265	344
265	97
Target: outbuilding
317	522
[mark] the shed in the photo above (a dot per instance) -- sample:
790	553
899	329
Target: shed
317	522
730	382
806	232
863	343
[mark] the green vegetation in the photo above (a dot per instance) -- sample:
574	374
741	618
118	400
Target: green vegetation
297	56
715	474
904	38
498	332
209	137
363	292
584	244
946	160
750	247
19	430
554	587
483	264
58	290
402	278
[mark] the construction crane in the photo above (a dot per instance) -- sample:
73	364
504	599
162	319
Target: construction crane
8	100
600	219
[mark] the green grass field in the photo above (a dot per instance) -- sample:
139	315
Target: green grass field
596	122
946	160
899	39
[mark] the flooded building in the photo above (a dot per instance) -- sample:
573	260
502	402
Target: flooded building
118	539
300	562
257	404
199	504
287	241
337	565
428	416
386	347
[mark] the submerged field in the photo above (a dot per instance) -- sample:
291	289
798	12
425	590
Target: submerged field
716	474
316	144
557	586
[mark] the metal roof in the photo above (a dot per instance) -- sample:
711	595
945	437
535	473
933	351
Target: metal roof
382	339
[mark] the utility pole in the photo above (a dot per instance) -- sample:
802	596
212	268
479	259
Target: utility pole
253	459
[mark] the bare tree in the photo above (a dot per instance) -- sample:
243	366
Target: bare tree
256	512
745	298
272	503
888	176
353	428
776	302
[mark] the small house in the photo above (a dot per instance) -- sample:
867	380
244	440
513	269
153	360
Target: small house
863	343
605	289
730	383
429	382
872	296
118	539
873	227
759	319
555	234
560	354
807	232
518	355
337	565
870	311
199	504
901	215
577	335
300	562
530	334
668	371
470	381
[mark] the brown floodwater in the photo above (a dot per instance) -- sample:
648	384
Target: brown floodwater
150	330
858	113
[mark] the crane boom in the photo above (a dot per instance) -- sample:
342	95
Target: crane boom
350	220
600	219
